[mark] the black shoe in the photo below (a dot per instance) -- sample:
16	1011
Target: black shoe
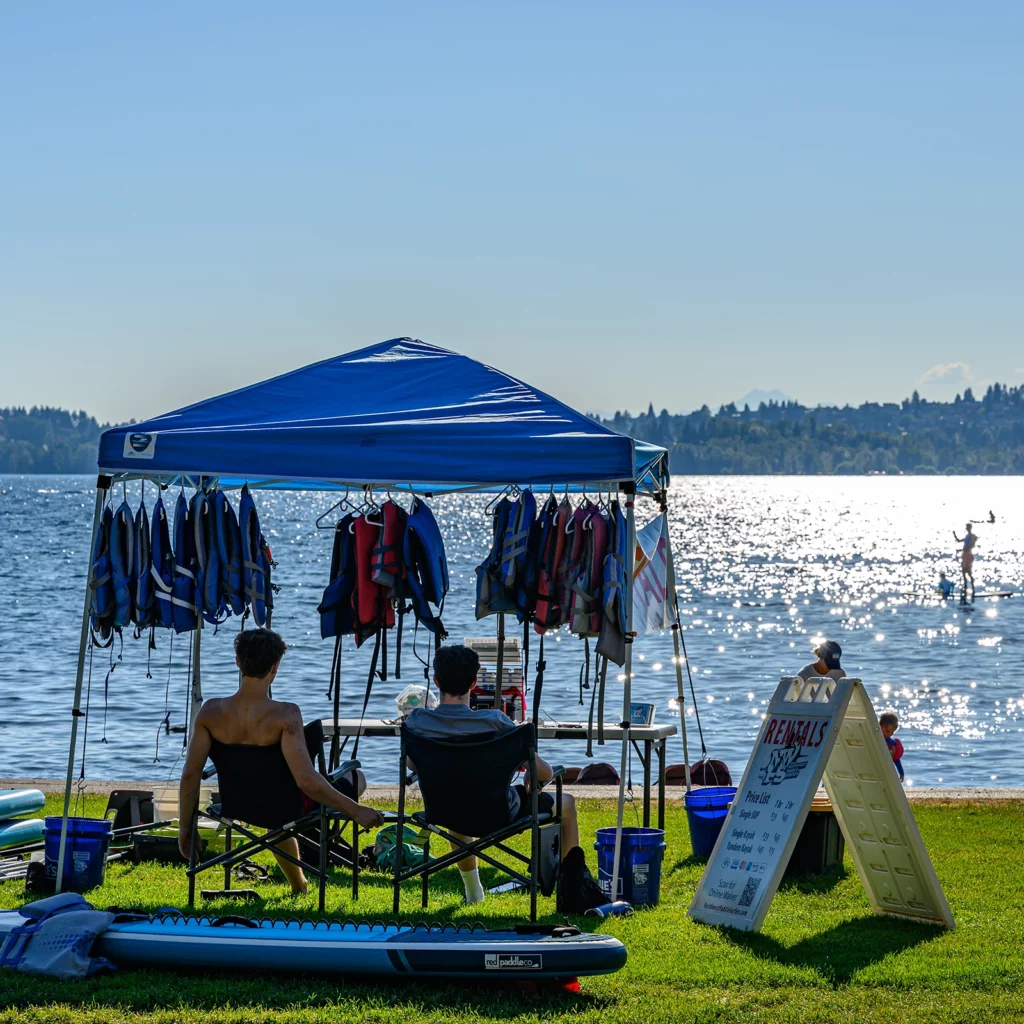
577	890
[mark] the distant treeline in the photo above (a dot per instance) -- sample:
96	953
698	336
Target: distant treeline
966	435
43	440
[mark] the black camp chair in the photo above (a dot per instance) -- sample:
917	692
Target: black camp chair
464	784
318	830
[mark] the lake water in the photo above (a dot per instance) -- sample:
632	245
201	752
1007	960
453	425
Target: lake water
763	564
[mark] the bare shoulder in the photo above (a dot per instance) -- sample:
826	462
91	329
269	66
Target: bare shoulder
289	716
212	709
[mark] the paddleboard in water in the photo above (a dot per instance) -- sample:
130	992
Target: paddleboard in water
993	593
335	947
15	802
17	833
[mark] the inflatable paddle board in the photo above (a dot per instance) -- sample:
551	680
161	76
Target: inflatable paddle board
15	802
20	833
335	947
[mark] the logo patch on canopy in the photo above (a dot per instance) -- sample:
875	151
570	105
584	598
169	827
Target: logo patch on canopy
139	445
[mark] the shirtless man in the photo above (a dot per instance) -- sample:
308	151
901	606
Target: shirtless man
253	718
967	559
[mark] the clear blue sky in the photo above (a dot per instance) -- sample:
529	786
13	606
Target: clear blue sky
674	202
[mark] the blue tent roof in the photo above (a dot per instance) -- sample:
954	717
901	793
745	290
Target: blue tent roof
399	413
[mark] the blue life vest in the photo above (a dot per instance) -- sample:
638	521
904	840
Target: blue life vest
336	614
209	595
101	584
612	639
122	540
529	572
142	592
514	542
491	595
185	613
229	552
255	559
426	566
161	566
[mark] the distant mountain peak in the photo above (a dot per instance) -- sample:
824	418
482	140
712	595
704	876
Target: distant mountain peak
758	395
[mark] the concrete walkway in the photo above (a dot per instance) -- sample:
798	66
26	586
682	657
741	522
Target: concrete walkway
916	794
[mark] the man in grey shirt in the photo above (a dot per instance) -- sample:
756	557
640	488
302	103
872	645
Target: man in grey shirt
455	671
827	666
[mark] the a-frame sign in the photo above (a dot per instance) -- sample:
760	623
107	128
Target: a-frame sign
814	729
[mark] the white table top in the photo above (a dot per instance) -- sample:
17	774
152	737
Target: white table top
545	731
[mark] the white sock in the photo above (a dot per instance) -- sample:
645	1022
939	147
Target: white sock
474	889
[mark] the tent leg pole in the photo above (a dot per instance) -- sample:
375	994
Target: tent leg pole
102	486
630	491
681	697
197	684
680	692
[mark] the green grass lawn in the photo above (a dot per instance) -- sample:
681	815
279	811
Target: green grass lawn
822	955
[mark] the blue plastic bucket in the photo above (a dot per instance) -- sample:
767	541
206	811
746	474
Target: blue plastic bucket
706	809
639	864
85	852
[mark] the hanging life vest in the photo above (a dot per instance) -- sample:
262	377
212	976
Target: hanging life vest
209	593
514	542
528	577
185	609
101	584
386	566
161	567
600	532
426	567
122	542
491	596
372	611
270	588
336	615
255	559
142	593
573	561
611	642
550	560
229	554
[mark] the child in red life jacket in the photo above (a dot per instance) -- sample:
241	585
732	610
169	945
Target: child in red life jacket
889	723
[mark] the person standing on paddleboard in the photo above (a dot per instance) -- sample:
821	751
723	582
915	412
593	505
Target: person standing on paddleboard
967	558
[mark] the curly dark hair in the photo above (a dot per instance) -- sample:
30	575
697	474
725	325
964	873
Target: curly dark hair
258	651
455	668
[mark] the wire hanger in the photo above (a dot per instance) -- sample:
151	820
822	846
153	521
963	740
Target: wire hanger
343	504
367	506
506	491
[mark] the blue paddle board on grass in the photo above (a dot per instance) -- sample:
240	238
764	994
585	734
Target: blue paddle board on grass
18	833
15	802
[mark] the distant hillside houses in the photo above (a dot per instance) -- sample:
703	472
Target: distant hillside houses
45	440
966	435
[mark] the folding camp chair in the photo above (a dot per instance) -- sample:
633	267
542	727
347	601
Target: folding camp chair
318	829
464	784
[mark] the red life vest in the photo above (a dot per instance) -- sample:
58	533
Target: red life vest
548	614
386	565
371	609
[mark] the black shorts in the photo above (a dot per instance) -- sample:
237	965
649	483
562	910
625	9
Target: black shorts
519	802
346	788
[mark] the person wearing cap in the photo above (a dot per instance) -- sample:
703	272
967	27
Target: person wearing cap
827	665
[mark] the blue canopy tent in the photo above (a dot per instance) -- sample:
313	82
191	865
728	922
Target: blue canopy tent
401	415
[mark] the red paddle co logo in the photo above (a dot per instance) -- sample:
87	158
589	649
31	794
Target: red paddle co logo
513	961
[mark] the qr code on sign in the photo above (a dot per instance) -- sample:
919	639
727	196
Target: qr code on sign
749	891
